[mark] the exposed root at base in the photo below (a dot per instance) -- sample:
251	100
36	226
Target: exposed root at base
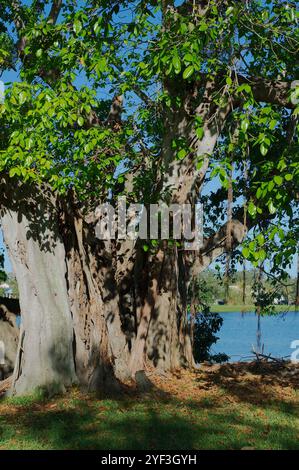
5	385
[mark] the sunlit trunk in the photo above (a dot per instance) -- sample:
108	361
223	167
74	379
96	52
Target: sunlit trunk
31	233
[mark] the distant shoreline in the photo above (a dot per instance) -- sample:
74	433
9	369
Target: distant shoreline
249	308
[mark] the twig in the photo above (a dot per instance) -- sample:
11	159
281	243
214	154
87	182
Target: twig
260	356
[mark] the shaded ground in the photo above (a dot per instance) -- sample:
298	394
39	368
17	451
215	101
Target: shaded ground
217	407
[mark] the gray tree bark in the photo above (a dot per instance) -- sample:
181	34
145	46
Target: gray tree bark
45	351
9	336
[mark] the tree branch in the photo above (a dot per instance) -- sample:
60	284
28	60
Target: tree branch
16	9
215	246
189	7
143	96
269	91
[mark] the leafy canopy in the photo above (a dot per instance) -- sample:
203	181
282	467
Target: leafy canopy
72	61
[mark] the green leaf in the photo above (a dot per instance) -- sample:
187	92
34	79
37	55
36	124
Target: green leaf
278	180
272	124
244	125
188	72
188	57
229	11
264	149
181	154
184	28
80	121
251	209
259	193
200	132
246	252
199	164
22	97
270	186
245	87
262	255
77	26
101	65
271	207
288	177
265	15
260	238
13	172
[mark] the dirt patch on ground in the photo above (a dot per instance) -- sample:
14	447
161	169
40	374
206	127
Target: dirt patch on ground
253	382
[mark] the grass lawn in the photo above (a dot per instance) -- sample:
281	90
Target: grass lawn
218	407
248	308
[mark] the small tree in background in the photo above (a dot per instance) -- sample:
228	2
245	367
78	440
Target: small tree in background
204	323
3	275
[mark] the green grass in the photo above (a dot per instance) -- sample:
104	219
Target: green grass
248	308
150	422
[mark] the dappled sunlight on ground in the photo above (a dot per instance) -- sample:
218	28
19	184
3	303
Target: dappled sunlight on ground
216	407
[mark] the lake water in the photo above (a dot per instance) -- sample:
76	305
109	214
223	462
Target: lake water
239	333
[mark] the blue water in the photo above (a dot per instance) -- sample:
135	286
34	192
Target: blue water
239	333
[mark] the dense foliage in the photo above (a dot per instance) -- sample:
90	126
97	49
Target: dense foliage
207	325
2	272
74	59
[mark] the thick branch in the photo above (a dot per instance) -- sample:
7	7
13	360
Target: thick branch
269	91
190	179
274	92
216	245
54	12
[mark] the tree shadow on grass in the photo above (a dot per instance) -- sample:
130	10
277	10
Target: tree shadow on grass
102	425
251	409
142	423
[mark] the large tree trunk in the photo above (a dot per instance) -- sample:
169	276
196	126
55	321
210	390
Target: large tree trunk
84	319
162	338
101	351
71	328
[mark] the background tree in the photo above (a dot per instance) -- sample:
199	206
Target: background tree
2	272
